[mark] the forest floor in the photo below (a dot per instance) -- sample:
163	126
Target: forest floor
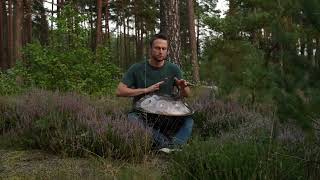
35	164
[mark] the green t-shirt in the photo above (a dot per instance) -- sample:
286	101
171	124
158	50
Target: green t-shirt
143	75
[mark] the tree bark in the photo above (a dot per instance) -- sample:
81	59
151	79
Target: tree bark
92	35
18	29
1	37
231	34
193	42
139	36
302	46
99	23
28	21
317	55
44	33
52	6
10	34
5	36
310	50
58	7
173	31
107	30
163	17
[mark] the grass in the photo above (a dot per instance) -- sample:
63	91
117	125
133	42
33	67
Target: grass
35	164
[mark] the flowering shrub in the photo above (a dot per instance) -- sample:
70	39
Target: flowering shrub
71	124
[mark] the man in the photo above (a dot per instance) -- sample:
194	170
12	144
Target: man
156	75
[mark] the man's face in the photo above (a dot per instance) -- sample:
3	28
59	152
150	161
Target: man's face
159	49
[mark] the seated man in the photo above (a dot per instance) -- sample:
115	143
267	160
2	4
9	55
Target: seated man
156	75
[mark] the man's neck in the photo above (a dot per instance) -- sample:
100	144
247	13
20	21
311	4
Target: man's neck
155	63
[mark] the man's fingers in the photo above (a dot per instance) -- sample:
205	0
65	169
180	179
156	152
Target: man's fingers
159	83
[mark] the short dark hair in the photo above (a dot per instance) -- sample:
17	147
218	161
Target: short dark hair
158	36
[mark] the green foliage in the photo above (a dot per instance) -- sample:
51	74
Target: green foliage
236	64
77	70
242	160
70	32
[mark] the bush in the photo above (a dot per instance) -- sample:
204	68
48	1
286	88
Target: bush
72	125
214	117
73	70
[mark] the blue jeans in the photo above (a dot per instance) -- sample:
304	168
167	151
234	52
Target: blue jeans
166	131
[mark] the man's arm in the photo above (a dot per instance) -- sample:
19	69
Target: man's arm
185	92
124	91
183	87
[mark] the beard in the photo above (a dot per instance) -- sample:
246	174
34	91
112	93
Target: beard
159	58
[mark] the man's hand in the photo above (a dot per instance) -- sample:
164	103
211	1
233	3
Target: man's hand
183	87
154	87
181	83
124	91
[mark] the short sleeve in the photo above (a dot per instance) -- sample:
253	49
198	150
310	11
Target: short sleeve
178	72
129	77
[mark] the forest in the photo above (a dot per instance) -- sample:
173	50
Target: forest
254	70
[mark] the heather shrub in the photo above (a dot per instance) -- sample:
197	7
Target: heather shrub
250	159
71	124
213	117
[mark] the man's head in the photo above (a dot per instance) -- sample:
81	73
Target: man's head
159	47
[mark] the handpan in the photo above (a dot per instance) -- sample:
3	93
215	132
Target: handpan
163	105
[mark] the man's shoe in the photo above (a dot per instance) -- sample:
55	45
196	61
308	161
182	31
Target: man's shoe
168	150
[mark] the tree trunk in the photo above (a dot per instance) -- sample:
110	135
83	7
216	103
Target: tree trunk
310	50
302	46
10	34
2	64
198	35
18	28
317	55
231	33
107	30
52	6
163	17
28	21
193	42
173	31
137	27
232	8
99	24
141	39
125	58
92	35
58	7
44	33
5	36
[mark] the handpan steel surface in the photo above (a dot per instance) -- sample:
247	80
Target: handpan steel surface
163	105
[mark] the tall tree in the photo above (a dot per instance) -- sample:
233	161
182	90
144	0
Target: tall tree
99	23
1	36
28	21
173	31
107	29
163	17
43	23
193	42
10	33
18	29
